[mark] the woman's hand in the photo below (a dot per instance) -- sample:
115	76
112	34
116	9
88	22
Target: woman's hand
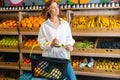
54	42
69	47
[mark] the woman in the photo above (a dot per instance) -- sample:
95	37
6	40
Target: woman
56	31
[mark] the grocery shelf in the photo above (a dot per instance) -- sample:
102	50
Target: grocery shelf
66	8
9	67
98	8
29	33
8	32
2	78
34	51
95	54
25	68
96	34
8	50
97	74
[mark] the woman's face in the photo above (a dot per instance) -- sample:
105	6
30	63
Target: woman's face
54	9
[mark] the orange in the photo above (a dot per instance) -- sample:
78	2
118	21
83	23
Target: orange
39	21
29	25
28	21
36	25
31	18
24	24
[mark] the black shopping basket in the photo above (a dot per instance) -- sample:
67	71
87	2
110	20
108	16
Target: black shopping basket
48	68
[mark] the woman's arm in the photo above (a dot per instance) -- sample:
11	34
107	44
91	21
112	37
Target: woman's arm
42	39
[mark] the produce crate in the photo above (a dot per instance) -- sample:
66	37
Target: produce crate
25	65
84	46
82	24
8	29
26	39
7	78
8	61
29	28
9	47
84	69
107	50
48	68
84	50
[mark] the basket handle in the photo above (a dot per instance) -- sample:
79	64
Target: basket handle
45	43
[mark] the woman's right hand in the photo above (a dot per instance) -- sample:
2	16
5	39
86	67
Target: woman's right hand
54	42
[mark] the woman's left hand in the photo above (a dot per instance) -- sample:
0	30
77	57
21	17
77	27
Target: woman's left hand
69	47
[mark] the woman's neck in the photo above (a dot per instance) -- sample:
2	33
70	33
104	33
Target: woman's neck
54	19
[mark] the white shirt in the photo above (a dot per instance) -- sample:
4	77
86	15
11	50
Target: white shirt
48	32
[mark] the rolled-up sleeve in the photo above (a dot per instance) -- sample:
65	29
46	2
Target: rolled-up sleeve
42	39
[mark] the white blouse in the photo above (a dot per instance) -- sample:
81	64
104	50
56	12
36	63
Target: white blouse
48	32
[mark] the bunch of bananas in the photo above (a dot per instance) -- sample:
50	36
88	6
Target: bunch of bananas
82	22
79	22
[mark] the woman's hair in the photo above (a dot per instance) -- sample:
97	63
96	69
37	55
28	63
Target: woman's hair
45	11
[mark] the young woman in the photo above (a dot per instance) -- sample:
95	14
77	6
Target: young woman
56	31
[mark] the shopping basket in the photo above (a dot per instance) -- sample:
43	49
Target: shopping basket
48	68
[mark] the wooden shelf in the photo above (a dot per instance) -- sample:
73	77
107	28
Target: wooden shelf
29	33
97	74
2	78
96	34
9	50
9	67
95	55
26	68
8	32
34	51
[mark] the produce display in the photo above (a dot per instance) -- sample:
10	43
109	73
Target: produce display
30	42
108	64
10	58
84	44
84	22
109	44
32	22
10	23
6	74
9	41
82	62
96	63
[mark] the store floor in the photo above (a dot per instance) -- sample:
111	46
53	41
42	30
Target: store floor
94	78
